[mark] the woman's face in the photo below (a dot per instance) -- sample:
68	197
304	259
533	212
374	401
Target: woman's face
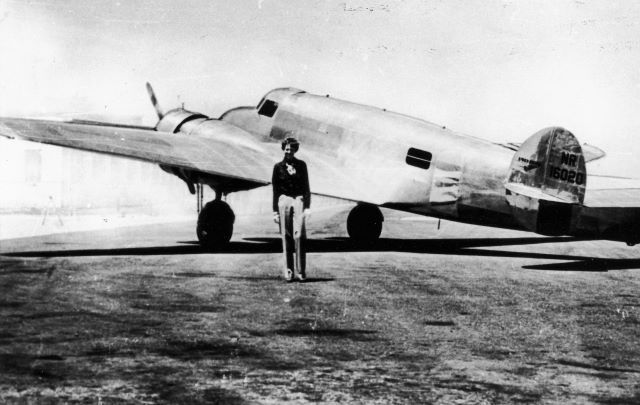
289	151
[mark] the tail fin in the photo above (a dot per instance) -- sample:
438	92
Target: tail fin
547	181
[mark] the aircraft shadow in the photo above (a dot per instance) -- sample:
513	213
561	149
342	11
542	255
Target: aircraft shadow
459	247
589	264
325	245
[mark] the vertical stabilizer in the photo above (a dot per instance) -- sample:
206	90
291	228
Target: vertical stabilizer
547	181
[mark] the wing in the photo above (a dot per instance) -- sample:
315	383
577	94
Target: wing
590	152
225	151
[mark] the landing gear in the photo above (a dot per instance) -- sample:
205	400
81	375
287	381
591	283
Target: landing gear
364	223
215	225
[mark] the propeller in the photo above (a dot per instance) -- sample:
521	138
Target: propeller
154	101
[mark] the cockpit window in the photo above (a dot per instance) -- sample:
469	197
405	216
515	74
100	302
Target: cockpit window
268	108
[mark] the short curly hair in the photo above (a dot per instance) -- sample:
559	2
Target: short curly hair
295	145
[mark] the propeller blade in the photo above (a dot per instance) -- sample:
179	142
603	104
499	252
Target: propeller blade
154	101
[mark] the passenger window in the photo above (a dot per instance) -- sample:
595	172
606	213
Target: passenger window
418	158
268	108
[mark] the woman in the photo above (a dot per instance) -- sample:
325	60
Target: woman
291	201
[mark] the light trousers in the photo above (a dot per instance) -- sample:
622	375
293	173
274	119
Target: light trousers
292	229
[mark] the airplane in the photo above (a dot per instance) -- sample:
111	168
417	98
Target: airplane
369	156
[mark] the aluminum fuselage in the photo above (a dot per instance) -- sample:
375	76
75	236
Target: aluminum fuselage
360	152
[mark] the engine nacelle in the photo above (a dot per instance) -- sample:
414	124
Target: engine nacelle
188	123
173	120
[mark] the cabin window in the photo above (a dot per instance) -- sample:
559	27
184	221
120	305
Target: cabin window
268	108
418	158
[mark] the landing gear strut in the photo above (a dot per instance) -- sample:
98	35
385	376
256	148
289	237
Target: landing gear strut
215	224
364	223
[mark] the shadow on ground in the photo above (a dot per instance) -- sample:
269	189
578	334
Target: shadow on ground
460	247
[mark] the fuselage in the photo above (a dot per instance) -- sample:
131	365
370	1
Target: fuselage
371	155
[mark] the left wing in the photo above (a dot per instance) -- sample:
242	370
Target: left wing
224	151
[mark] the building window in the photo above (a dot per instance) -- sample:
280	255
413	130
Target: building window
418	158
33	163
268	108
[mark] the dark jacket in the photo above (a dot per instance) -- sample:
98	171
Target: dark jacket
291	179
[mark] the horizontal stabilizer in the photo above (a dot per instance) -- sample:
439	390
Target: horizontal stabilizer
590	152
533	192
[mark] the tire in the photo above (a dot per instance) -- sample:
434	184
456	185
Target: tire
215	225
364	223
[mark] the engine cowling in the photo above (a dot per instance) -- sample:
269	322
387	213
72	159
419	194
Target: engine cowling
173	120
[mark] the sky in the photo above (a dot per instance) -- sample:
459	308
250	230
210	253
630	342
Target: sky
499	70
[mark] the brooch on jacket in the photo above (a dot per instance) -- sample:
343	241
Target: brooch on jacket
290	169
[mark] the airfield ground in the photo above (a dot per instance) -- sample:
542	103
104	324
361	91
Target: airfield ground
463	314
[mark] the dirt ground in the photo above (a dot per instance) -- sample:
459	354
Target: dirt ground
462	314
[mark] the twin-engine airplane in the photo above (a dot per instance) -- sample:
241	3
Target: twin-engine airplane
370	156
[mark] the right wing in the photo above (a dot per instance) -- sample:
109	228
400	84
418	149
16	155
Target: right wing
225	151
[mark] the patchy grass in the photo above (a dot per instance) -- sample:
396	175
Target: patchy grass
421	322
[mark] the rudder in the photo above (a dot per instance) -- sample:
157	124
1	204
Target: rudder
546	182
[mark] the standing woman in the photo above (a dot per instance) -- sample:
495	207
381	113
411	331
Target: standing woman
291	201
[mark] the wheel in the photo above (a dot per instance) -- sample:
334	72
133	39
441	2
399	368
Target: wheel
364	223
215	225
